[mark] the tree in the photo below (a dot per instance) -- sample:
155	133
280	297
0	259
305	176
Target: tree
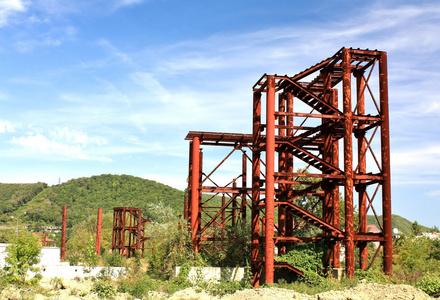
415	229
22	256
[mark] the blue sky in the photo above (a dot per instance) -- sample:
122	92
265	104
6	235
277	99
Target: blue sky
99	87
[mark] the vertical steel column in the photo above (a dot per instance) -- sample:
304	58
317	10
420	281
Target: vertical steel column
360	188
223	222
114	230
348	163
190	166
270	183
282	156
327	207
124	223
98	233
63	234
256	160
139	233
195	192
234	205
335	191
185	207
44	239
386	171
289	169
243	185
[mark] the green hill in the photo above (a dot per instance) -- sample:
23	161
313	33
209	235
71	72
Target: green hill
13	196
83	197
402	224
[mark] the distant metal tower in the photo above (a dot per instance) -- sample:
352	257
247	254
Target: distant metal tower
129	231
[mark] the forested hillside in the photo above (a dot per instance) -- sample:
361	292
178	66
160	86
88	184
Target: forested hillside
13	196
83	196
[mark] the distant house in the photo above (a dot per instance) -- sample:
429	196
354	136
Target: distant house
431	235
373	229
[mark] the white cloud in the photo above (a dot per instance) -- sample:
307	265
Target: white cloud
77	137
53	38
9	8
6	126
113	51
62	143
433	193
152	86
122	3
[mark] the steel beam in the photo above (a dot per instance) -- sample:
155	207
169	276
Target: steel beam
386	170
63	235
98	233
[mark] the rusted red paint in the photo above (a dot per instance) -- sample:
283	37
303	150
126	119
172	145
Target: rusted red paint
279	141
128	234
98	233
63	235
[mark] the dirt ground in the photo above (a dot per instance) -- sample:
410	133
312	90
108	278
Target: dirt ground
73	289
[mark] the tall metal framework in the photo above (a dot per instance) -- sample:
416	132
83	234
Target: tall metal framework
129	231
332	121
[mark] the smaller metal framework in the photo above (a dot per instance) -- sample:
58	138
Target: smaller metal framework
129	231
214	205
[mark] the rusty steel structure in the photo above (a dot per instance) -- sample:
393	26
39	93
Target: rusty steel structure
330	122
221	204
98	233
129	231
63	235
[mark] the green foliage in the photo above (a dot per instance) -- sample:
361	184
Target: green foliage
138	285
182	277
415	229
372	275
236	249
114	260
104	289
90	257
83	196
7	235
21	256
13	196
430	284
307	257
229	287
172	247
57	283
326	284
417	254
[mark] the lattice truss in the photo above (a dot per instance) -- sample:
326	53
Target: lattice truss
330	121
218	202
128	234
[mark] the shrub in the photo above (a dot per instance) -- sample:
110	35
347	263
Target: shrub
430	284
21	257
138	286
114	260
104	289
172	247
307	257
372	275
